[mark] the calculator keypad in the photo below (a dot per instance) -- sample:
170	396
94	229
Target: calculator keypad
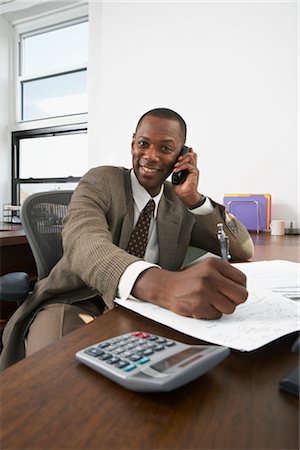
128	351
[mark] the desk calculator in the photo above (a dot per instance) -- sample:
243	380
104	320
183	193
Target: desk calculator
146	362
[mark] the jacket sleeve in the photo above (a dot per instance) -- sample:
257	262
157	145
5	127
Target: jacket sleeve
88	238
204	234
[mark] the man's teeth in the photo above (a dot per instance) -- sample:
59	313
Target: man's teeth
147	169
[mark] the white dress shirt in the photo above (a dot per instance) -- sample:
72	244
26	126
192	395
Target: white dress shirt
151	258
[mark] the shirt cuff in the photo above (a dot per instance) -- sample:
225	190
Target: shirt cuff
129	277
206	208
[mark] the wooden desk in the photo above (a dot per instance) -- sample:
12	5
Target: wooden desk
16	255
276	247
49	401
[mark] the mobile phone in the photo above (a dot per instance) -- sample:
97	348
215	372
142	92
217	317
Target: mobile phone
179	177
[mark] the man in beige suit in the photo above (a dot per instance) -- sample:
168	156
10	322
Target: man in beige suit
96	268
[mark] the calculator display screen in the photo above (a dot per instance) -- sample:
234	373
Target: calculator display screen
178	358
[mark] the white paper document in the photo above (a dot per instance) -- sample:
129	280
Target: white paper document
272	309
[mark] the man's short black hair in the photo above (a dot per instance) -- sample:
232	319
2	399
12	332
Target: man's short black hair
166	113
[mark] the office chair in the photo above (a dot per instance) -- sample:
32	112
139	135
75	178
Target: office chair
41	216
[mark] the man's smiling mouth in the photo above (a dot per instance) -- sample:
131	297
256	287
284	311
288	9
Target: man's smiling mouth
149	169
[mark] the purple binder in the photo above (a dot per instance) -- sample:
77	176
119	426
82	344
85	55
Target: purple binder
251	210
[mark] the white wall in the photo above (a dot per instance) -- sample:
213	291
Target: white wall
230	69
7	105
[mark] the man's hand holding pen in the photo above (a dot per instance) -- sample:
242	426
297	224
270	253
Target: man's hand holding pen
204	291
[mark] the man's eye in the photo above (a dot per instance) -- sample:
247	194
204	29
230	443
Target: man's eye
142	143
166	149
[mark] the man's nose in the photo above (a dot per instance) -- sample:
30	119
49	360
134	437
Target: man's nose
151	153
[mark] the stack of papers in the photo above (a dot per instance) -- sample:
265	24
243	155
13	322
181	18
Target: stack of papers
272	309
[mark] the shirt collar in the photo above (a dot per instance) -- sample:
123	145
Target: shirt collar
141	196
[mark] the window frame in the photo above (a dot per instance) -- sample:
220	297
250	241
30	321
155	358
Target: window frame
37	78
22	35
37	133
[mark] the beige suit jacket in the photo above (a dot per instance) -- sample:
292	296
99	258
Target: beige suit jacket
96	232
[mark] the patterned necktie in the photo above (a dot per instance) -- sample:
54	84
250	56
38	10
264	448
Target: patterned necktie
139	237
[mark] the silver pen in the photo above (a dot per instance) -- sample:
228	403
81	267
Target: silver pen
224	242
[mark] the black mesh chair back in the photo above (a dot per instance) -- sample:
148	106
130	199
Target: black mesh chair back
41	216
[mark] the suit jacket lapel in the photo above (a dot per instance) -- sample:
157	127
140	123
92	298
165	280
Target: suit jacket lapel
127	225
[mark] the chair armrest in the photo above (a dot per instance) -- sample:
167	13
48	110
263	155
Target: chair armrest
14	287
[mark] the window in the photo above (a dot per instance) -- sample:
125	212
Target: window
50	147
52	80
53	71
47	159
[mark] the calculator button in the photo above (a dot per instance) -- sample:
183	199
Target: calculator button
158	348
103	345
140	334
111	348
127	354
93	351
161	340
151	345
122	340
144	335
135	357
136	333
169	343
144	360
119	350
113	360
148	352
129	346
105	356
129	368
139	348
122	364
